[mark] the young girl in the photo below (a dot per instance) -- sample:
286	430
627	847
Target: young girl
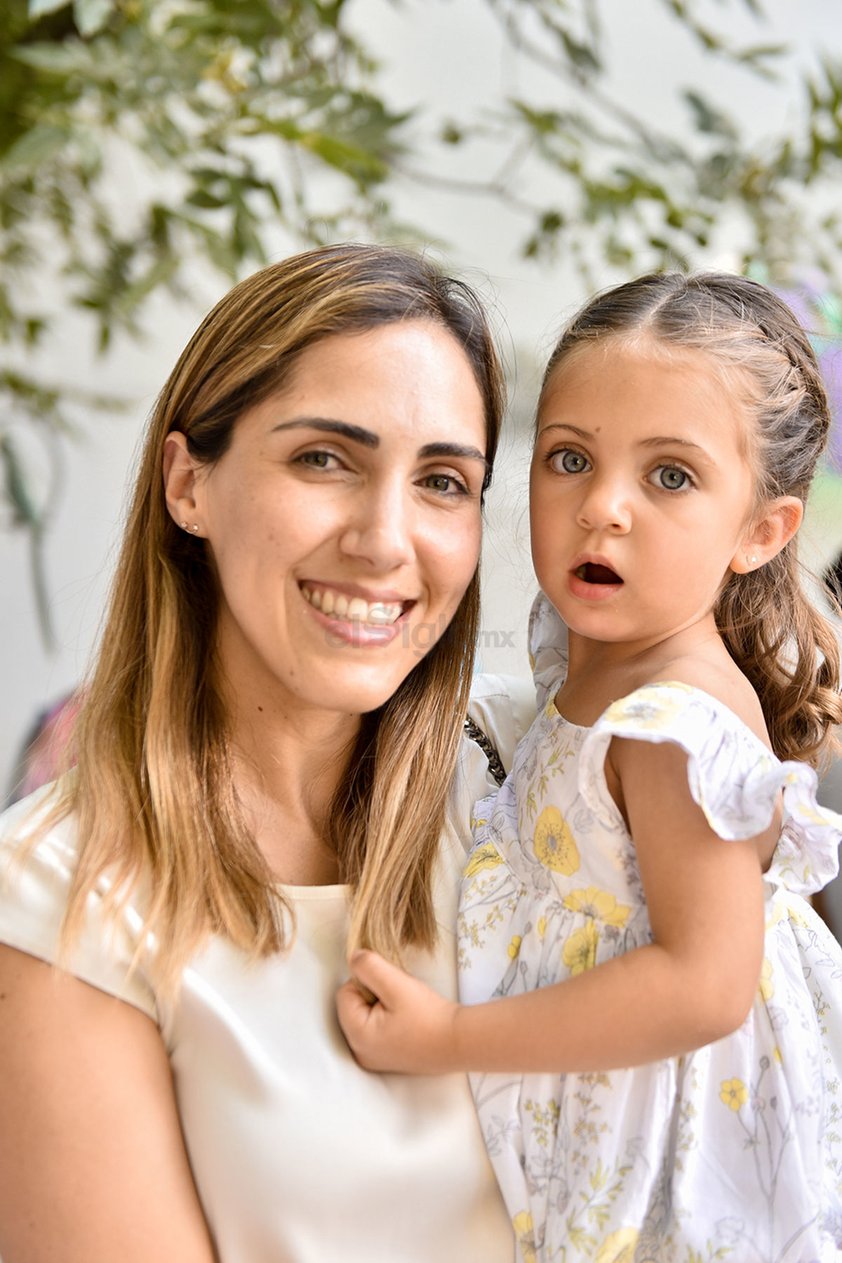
633	907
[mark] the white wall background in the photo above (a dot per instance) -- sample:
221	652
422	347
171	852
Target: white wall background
450	53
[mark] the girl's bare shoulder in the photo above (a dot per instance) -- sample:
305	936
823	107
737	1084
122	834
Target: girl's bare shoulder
723	680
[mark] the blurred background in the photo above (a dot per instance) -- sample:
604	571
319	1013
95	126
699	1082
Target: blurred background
154	151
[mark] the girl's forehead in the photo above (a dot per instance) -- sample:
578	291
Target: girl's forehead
646	389
605	352
607	361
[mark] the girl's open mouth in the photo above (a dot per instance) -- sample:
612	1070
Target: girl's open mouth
590	572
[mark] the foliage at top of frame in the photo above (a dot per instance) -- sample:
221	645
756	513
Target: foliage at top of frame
229	121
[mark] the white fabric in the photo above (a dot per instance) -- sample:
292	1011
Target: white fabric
298	1155
732	1152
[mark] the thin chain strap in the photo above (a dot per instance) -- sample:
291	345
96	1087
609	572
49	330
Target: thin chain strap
494	761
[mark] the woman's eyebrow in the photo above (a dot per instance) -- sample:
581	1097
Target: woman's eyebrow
367	437
327	424
452	449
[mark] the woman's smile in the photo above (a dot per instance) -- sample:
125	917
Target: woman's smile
337	604
344	519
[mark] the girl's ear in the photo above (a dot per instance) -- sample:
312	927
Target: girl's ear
180	471
768	534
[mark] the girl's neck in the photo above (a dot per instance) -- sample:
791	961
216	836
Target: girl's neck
600	672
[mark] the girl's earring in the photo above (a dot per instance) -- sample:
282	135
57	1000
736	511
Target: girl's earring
752	560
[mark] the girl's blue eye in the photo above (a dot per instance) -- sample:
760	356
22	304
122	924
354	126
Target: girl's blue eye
569	461
671	478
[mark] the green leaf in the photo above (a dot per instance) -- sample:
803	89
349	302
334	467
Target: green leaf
55	59
203	200
709	120
360	164
40	145
17	487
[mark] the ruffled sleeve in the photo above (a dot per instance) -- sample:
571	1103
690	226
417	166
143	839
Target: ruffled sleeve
732	776
548	650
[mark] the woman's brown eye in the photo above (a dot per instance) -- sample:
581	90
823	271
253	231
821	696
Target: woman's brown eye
445	483
317	460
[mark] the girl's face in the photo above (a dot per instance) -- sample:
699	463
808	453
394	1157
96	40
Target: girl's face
641	491
344	519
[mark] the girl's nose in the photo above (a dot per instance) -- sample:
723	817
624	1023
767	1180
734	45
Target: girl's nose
605	507
379	530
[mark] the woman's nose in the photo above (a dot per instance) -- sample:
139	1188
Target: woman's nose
379	531
605	506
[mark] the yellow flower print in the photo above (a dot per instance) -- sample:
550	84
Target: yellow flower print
514	947
579	952
541	927
554	844
777	914
619	1246
766	986
525	1233
778	1055
733	1093
485	856
645	713
598	904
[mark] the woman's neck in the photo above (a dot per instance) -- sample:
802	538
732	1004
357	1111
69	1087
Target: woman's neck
287	768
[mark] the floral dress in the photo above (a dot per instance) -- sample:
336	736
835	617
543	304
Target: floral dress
733	1152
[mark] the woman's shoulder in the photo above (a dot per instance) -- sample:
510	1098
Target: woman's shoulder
500	711
39	853
29	837
504	695
502	707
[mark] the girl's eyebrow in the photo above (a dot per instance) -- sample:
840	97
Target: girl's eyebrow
657	440
565	425
330	426
670	440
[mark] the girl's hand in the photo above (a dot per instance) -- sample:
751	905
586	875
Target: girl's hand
406	1027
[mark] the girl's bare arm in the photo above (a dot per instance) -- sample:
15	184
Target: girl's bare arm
695	983
92	1161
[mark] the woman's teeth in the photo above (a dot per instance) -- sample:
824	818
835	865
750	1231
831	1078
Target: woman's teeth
355	609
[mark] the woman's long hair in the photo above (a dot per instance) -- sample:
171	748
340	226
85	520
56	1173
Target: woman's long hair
786	648
153	792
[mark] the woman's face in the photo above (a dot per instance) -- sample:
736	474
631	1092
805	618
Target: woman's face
344	519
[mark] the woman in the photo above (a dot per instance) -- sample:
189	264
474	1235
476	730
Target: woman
265	776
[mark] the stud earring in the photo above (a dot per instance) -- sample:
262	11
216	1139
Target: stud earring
752	560
194	529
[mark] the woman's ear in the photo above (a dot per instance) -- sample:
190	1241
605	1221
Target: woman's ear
768	534
180	471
